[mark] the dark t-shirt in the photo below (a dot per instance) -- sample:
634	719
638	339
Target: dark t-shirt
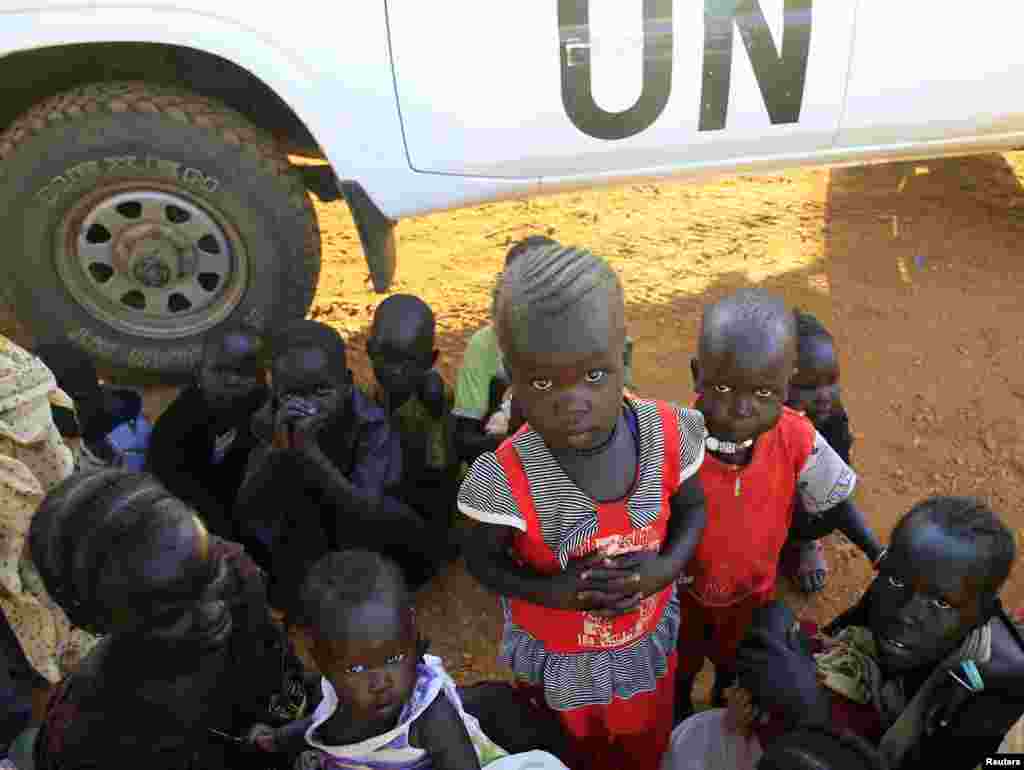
201	462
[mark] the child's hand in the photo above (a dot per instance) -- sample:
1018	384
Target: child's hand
741	713
636	574
263	737
576	588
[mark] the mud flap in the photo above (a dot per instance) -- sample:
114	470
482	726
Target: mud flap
376	232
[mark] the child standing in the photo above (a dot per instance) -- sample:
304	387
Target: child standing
587	515
386	704
418	402
761	455
814	391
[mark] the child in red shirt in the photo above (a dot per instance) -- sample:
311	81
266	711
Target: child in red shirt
587	515
761	454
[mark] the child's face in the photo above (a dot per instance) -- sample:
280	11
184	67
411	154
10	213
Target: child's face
306	373
742	394
373	668
926	596
400	357
814	389
571	399
231	371
172	590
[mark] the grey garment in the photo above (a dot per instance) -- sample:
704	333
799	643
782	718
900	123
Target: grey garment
608	474
825	480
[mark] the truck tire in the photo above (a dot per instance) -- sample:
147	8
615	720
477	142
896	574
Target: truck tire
137	217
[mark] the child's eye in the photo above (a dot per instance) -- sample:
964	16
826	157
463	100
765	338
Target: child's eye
595	375
721	388
895	582
763	393
324	392
941	604
541	384
395	659
357	669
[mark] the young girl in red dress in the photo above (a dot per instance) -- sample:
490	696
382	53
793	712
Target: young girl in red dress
586	515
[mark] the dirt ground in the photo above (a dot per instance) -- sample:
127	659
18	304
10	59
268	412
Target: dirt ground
915	267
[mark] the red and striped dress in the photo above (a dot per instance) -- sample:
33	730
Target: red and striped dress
609	679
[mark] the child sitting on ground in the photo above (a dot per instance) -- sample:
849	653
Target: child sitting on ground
418	402
586	517
106	428
482	397
323	475
386	704
761	455
814	391
201	443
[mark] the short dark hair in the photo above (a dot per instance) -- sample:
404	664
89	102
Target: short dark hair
406	306
529	242
971	520
754	312
342	581
218	334
73	368
85	523
816	746
306	334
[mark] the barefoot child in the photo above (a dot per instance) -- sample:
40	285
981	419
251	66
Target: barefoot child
386	705
587	515
418	402
761	454
814	391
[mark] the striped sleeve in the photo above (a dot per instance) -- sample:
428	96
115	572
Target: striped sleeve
691	441
486	496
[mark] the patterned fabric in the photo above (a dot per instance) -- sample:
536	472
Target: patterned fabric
567	518
565	512
33	459
393	750
750	509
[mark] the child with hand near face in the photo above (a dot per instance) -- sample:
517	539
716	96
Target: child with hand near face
418	402
585	518
762	455
386	704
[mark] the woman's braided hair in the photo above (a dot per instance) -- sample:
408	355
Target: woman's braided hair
83	525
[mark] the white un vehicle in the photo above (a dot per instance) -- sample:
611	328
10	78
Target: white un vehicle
146	193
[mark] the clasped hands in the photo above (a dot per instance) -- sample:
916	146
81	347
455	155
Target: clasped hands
609	586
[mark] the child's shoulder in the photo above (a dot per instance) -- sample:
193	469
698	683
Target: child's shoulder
794	432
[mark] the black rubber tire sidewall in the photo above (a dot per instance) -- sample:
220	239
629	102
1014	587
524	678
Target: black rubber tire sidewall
249	194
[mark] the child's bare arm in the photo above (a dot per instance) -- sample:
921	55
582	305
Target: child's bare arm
487	559
287	739
850	521
644	573
440	732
